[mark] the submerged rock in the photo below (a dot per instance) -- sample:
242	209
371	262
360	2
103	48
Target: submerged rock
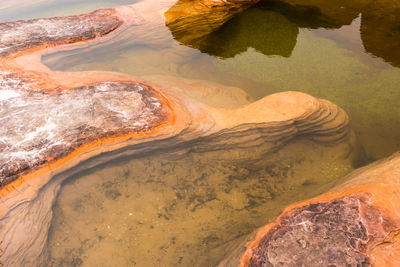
54	121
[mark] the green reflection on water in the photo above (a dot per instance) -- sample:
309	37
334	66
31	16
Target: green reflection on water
327	63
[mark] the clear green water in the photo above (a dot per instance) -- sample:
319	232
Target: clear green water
184	206
285	51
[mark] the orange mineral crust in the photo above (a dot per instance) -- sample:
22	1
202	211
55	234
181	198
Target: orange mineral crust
356	224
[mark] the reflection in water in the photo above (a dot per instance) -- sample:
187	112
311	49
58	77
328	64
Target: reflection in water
380	29
185	206
273	35
327	63
380	21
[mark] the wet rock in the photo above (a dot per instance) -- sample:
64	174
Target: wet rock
214	32
19	36
191	21
356	224
40	127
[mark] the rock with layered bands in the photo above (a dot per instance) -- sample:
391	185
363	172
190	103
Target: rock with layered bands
56	124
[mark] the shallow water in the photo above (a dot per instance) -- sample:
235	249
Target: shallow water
187	207
280	54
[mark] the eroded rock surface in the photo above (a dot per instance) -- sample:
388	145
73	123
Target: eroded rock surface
322	234
23	35
39	127
354	225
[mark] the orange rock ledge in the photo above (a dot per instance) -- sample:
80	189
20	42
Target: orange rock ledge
357	223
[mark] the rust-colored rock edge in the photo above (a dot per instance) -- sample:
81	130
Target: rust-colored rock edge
27	36
85	138
47	121
335	229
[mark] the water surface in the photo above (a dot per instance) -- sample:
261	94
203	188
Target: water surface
186	206
287	50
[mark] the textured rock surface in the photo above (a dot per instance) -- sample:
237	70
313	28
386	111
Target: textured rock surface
39	127
322	234
22	35
356	224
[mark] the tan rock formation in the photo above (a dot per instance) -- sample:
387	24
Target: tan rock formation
53	121
192	20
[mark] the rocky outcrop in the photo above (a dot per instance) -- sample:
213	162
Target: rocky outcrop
54	121
40	127
356	224
190	21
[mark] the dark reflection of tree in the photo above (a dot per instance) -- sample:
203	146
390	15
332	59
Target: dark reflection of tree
380	30
268	32
380	22
271	27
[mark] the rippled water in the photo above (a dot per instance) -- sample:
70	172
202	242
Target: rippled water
189	206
